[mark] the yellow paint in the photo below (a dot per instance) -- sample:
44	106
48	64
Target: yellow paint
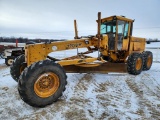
37	52
137	44
76	61
139	64
46	85
118	17
113	56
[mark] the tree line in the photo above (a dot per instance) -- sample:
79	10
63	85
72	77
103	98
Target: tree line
25	40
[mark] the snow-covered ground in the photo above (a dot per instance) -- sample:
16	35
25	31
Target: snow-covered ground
89	96
153	45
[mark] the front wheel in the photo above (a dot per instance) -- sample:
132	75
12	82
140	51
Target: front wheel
135	63
42	83
17	67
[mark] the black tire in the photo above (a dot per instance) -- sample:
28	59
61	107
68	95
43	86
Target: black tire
135	63
148	59
29	78
17	67
9	61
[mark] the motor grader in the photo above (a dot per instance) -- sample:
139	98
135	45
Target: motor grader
42	78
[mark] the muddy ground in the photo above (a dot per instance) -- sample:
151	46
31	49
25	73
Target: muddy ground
89	96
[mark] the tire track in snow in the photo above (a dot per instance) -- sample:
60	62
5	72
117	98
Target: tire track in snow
151	78
79	99
143	102
103	96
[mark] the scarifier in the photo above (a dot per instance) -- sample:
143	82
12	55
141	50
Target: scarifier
42	78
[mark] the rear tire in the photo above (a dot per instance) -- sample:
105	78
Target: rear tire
148	59
135	63
17	67
42	83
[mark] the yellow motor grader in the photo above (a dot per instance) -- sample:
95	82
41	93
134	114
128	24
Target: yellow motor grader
42	78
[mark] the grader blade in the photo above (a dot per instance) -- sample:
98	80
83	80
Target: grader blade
103	68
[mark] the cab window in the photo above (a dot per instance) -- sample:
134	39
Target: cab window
108	27
126	30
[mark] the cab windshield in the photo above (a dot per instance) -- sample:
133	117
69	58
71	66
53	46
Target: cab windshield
108	27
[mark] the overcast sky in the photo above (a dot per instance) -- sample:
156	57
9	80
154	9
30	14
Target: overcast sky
54	18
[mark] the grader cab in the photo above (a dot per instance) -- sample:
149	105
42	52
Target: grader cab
120	41
42	78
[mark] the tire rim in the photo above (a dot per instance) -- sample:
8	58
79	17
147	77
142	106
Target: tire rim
138	64
149	61
21	68
46	85
10	61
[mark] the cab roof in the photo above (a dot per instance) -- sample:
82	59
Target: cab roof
116	17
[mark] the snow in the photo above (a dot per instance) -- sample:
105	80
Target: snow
153	44
14	44
89	96
154	47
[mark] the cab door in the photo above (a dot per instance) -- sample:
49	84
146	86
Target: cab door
125	37
122	35
119	34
